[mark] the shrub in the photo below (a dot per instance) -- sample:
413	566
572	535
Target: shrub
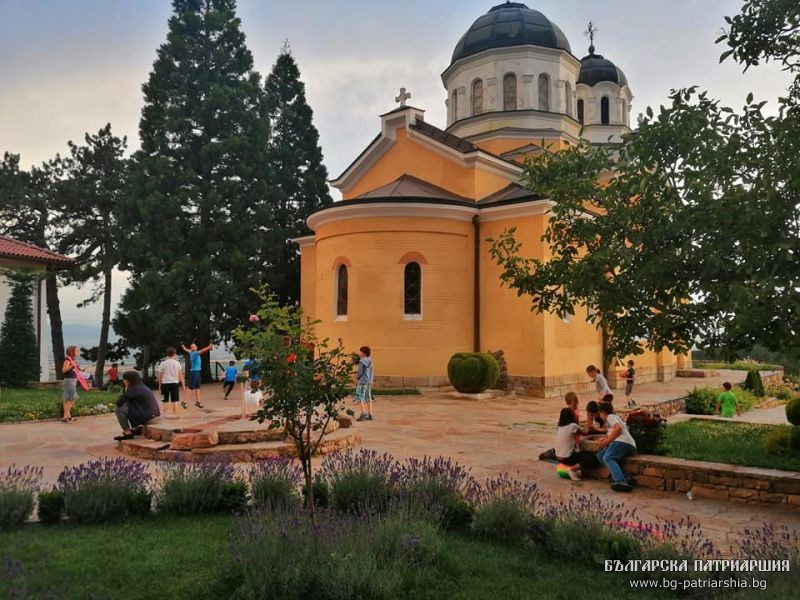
648	431
776	441
703	401
472	372
411	543
781	392
793	411
754	383
51	506
503	382
505	510
274	483
104	490
282	555
207	487
17	489
359	481
439	488
322	492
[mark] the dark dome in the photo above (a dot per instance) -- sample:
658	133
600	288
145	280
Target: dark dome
595	69
510	24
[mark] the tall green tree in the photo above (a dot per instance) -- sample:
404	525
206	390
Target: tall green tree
19	351
696	235
92	197
29	212
196	212
300	179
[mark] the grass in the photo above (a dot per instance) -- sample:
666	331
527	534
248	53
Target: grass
732	443
33	404
739	365
163	557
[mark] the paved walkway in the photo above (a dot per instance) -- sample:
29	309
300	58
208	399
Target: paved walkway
490	437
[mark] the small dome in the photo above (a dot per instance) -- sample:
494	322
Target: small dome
510	24
596	69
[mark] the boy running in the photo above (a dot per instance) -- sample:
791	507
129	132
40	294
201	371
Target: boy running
230	378
364	383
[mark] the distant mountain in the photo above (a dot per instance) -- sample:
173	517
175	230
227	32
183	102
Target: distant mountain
85	336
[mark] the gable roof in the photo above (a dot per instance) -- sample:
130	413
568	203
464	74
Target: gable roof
510	194
408	186
440	135
22	251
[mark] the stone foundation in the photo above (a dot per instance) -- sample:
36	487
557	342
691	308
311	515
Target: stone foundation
717	481
394	383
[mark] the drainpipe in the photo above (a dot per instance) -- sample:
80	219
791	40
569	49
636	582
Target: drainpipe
476	325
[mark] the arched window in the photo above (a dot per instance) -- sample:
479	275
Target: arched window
580	110
477	97
544	92
341	291
510	92
604	110
412	289
624	112
568	95
454	104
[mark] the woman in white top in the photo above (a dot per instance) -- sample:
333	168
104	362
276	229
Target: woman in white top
616	445
252	398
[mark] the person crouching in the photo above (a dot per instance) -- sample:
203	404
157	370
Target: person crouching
136	406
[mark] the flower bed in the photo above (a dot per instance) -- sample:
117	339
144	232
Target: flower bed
35	404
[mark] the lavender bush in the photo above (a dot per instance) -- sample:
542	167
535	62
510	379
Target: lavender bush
505	510
274	483
205	487
438	487
17	489
359	481
104	490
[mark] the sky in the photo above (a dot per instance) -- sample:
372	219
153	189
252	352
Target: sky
71	66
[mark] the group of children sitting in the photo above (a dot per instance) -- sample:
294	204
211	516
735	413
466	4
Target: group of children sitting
616	443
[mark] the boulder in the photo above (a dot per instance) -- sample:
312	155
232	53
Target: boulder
191	440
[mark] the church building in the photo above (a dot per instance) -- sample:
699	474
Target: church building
402	264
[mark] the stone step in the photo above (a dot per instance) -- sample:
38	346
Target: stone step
142	448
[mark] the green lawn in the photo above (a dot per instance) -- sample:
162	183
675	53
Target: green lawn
739	365
733	443
32	404
180	558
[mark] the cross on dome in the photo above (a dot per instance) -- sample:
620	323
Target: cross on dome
591	31
402	97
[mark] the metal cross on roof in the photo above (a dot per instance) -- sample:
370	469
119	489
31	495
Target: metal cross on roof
402	97
591	31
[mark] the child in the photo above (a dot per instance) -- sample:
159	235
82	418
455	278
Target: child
600	382
728	402
252	370
170	381
565	452
617	444
251	398
594	422
230	378
113	376
195	369
571	400
630	376
364	383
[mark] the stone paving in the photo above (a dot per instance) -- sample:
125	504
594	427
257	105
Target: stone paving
493	436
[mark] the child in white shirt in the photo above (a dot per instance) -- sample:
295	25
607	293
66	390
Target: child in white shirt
252	398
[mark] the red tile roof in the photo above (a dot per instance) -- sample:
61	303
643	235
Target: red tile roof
22	251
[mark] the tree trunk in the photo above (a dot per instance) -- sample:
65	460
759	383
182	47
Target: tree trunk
102	347
606	354
56	325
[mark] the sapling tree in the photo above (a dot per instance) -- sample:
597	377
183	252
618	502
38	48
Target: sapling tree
305	379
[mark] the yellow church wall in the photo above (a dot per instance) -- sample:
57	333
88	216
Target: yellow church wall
411	158
308	280
414	350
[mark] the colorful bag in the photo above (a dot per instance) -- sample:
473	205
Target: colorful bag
78	375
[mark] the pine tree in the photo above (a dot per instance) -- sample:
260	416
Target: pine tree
196	213
92	194
19	351
300	186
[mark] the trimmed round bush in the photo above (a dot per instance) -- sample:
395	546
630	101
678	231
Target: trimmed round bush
472	372
793	411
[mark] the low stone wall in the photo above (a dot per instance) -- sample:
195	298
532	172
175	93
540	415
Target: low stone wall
665	408
395	383
717	481
772	378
